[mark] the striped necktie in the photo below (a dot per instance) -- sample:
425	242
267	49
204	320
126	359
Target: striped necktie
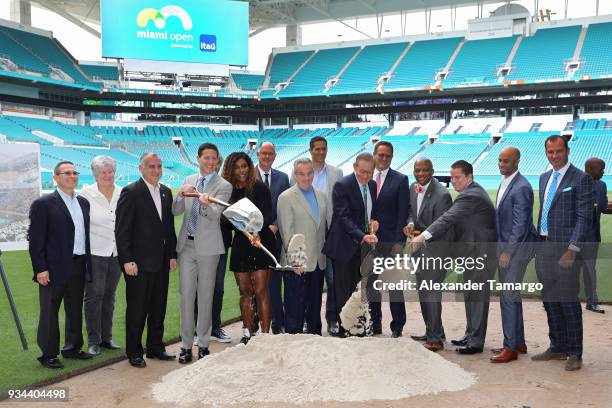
195	209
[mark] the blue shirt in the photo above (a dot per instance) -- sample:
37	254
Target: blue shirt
311	199
77	219
320	179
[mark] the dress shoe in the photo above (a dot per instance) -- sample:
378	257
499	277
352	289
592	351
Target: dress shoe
419	338
161	356
220	336
138	362
396	334
203	352
522	349
469	350
505	356
53	362
573	363
595	308
111	345
433	346
278	330
548	355
77	355
333	329
376	330
94	350
185	356
461	342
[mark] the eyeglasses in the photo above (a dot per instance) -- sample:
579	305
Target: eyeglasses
69	173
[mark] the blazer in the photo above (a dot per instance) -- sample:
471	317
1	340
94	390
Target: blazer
279	183
346	231
436	202
51	238
571	212
141	236
514	219
207	237
295	217
601	207
393	208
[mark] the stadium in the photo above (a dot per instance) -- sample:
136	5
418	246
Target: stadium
441	79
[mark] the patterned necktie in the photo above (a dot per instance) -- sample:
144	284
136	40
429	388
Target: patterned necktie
267	180
365	206
548	202
378	183
195	209
419	189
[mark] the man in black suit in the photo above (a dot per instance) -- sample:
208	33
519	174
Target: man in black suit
393	209
354	201
146	246
61	260
472	217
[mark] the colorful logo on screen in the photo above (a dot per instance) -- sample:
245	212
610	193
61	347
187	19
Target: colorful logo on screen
160	16
208	43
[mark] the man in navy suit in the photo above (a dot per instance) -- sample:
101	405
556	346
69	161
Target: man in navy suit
595	168
393	209
277	182
354	201
61	260
567	199
515	234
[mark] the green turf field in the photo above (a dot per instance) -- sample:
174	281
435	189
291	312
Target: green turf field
21	368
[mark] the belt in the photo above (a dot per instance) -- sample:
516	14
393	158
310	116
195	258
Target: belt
74	256
544	237
189	237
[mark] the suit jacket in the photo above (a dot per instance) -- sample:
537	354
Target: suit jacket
571	212
279	182
207	236
601	207
51	236
346	231
514	219
141	236
393	207
436	202
295	217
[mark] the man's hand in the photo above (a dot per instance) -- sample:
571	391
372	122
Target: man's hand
273	228
130	268
409	229
504	260
373	226
567	259
187	188
416	243
299	271
173	265
610	205
43	278
370	239
204	200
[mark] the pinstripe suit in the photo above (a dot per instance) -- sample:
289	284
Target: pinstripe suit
569	219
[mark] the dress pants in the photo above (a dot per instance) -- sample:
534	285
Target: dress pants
197	276
511	304
330	303
302	291
50	299
431	305
477	307
217	305
346	276
275	293
146	295
588	256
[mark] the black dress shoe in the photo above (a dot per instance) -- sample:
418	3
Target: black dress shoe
78	355
53	362
419	338
376	330
278	330
462	342
595	308
111	345
203	352
162	356
138	362
469	350
396	334
186	356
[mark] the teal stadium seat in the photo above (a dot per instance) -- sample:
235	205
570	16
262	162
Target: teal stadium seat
597	51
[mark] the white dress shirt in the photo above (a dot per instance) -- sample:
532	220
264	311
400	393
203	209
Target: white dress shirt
156	195
101	220
562	172
504	186
76	213
421	196
383	177
263	176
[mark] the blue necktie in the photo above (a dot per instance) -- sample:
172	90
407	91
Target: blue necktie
195	209
548	202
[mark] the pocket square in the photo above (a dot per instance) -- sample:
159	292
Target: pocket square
566	189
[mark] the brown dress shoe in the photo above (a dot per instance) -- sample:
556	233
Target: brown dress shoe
522	349
548	355
573	363
433	346
505	356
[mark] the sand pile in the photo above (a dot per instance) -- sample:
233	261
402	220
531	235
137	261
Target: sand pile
306	368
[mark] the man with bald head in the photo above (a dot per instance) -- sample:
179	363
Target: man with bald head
515	234
428	201
595	168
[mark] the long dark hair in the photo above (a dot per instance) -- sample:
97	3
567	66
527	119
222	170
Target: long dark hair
230	165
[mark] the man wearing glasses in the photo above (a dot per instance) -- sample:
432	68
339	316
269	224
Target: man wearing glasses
61	260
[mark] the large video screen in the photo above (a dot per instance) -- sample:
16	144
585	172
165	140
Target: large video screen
202	31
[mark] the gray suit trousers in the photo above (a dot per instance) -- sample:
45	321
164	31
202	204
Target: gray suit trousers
197	275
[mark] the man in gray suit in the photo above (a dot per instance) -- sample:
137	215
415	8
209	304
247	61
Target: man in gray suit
199	245
325	177
302	209
472	217
428	201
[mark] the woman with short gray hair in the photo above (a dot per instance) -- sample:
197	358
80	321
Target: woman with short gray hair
99	301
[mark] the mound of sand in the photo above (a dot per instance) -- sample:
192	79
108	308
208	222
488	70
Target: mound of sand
306	368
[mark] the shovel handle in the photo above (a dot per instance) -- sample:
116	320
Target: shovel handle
210	198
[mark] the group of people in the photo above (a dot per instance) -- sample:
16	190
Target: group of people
81	243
